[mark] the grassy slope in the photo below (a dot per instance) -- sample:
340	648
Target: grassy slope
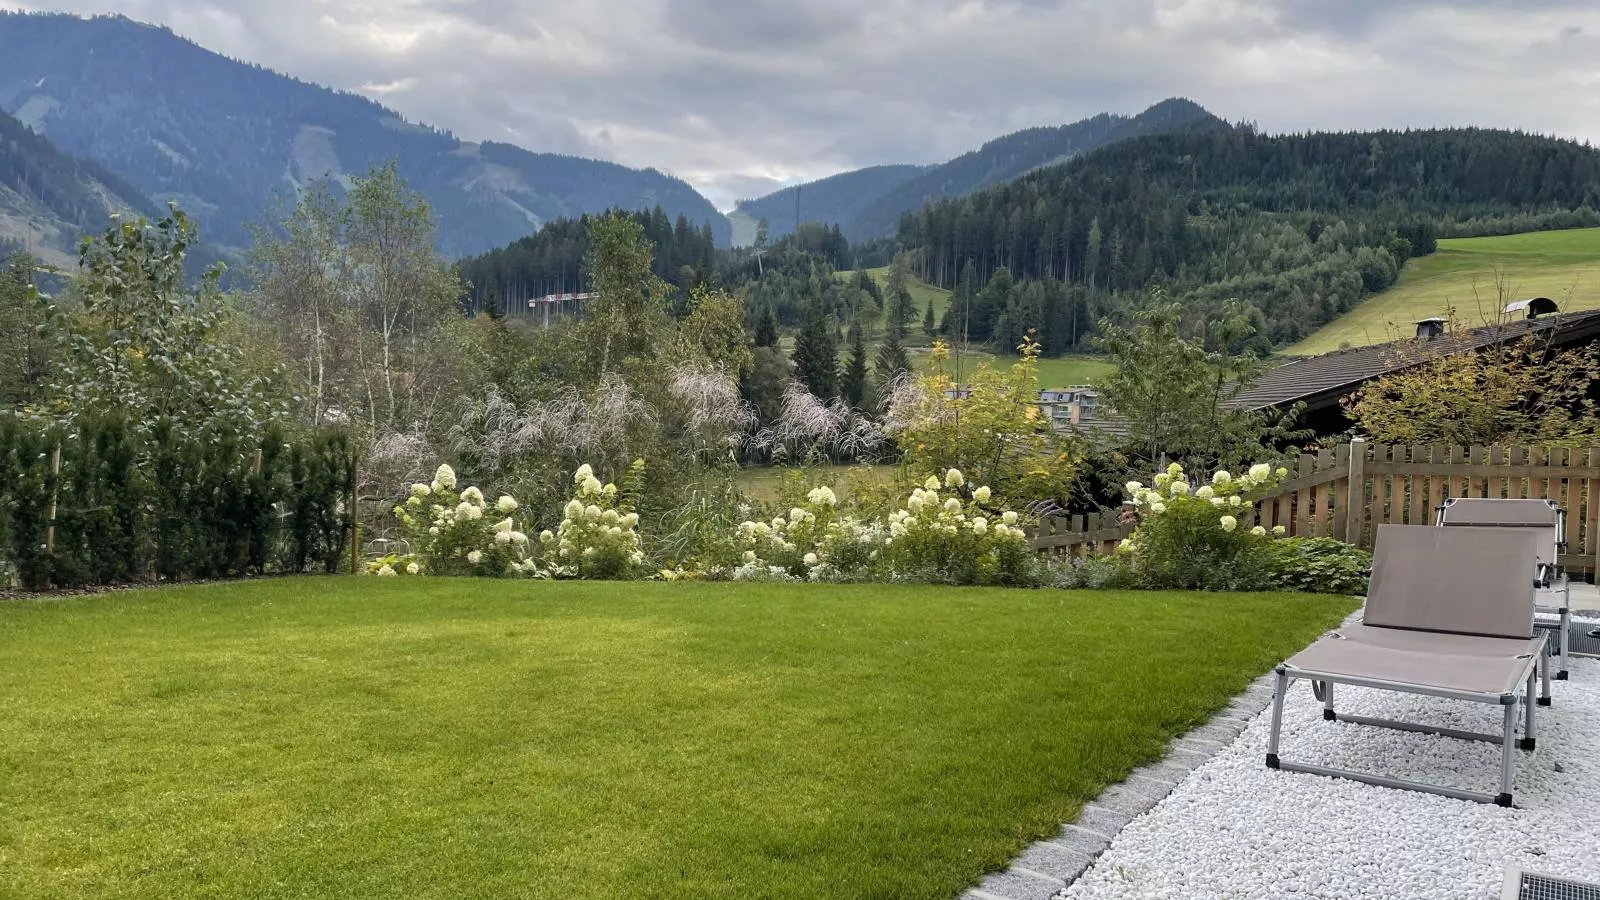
1467	274
1055	372
443	738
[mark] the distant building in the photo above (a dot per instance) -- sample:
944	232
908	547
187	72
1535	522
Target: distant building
1067	408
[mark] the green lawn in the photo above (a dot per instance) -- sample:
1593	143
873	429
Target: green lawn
1469	274
1054	372
762	482
450	738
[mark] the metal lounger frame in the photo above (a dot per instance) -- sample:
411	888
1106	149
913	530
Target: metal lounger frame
1556	583
1538	668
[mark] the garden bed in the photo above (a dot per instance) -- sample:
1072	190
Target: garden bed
452	737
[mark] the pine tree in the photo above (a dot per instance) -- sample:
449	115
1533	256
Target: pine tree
492	304
853	383
890	362
929	323
767	326
816	356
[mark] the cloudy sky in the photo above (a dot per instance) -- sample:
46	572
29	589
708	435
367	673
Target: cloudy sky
741	96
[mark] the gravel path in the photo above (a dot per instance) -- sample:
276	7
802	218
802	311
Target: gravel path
1236	829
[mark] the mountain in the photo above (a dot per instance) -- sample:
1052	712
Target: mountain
834	200
868	203
227	139
49	199
1299	228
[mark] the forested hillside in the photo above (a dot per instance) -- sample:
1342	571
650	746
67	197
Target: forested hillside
224	138
1015	155
833	200
551	261
49	199
1300	227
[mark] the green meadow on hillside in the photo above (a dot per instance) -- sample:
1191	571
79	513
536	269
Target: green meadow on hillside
1471	276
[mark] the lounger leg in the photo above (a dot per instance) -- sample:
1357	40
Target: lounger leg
1544	675
1527	722
1327	701
1281	688
1566	642
1506	765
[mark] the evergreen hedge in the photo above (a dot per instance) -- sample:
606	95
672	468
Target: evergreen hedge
168	502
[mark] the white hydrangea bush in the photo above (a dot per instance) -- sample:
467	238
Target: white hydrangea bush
945	533
596	538
458	533
1197	534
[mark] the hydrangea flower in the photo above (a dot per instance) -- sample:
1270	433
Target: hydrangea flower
1180	489
387	571
506	504
1009	517
1279	530
445	477
932	483
980	525
1222	477
954	478
1259	531
982	494
1133	488
1229	523
1260	471
413	569
1205	492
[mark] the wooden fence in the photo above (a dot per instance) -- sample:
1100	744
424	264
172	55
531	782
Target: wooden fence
1392	484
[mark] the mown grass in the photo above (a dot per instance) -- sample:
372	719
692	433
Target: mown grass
763	483
1470	275
337	737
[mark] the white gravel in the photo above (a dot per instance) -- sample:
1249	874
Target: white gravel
1236	829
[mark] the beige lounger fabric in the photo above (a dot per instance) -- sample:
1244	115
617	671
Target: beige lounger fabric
1462	580
1446	661
1475	583
1488	511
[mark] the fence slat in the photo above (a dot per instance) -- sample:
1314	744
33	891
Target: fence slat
1323	524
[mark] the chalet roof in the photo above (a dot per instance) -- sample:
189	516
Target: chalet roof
1320	381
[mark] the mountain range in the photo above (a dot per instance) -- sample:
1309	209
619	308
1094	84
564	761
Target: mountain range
227	140
868	203
106	114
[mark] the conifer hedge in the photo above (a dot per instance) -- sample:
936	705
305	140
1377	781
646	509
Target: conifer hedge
165	502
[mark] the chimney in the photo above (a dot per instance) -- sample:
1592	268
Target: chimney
1428	329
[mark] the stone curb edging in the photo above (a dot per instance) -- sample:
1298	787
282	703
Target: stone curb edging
1047	867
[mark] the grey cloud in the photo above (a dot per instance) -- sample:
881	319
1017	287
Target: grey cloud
735	95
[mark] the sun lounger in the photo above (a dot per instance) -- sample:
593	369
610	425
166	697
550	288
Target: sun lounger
1549	520
1449	614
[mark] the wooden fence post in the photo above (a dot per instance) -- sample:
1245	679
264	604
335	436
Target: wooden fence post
1356	509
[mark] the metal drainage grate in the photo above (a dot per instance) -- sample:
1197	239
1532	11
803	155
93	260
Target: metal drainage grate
1520	885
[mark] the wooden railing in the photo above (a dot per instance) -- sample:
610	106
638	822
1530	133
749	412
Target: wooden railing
1392	484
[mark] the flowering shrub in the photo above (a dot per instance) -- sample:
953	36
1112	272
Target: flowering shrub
1199	535
597	538
945	534
457	534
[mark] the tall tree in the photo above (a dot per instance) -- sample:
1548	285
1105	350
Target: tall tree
767	326
889	364
627	317
853	383
930	325
816	356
